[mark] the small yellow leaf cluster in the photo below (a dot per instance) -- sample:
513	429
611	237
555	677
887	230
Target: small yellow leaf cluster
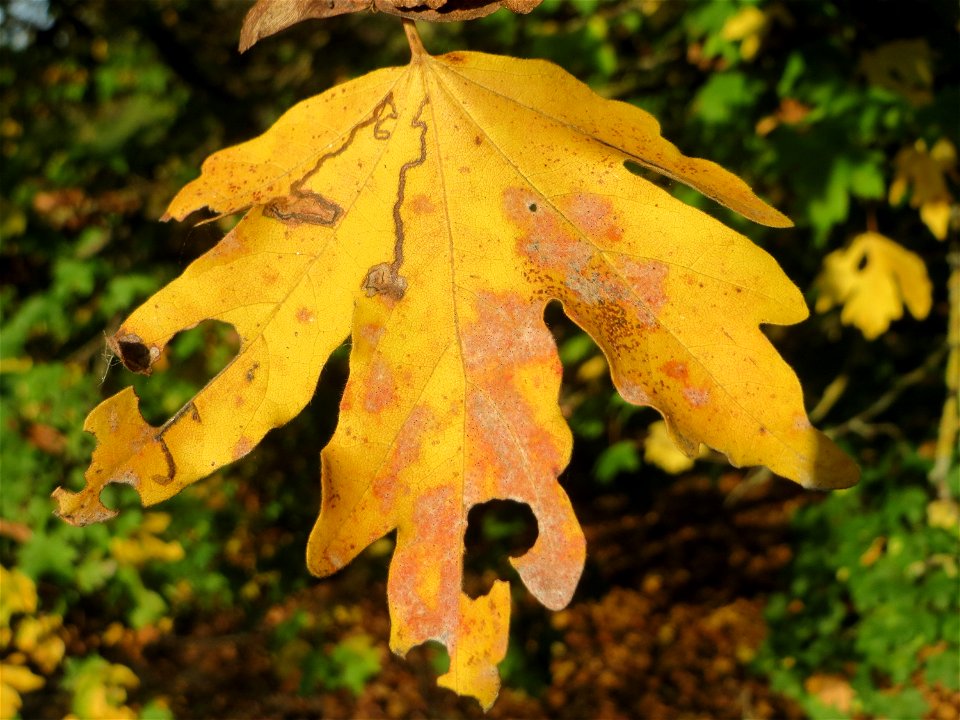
873	279
34	639
145	545
923	172
747	26
100	691
944	513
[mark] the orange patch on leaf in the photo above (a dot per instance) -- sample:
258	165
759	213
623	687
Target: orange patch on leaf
243	446
381	389
595	216
422	204
371	333
647	280
676	369
420	556
547	240
305	315
407	448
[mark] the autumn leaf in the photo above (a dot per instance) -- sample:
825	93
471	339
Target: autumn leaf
430	212
873	279
923	172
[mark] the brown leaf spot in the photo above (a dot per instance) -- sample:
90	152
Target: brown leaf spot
269	275
304	207
305	315
382	279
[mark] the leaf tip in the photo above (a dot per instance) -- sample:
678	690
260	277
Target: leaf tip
82	508
779	220
832	469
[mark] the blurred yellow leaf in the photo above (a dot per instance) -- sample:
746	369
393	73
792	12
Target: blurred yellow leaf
593	369
37	637
144	546
100	691
19	595
14	680
873	279
923	173
747	26
944	513
874	552
660	449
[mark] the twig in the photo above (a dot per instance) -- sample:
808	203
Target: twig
859	421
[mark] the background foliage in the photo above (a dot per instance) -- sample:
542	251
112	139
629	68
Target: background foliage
712	591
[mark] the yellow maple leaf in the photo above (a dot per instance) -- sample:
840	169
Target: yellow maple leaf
873	279
923	172
432	211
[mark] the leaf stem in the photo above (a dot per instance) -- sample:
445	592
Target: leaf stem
413	37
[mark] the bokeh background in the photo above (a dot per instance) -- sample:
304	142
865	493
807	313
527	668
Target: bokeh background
709	591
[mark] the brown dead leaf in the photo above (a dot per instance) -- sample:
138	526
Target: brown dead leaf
271	16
